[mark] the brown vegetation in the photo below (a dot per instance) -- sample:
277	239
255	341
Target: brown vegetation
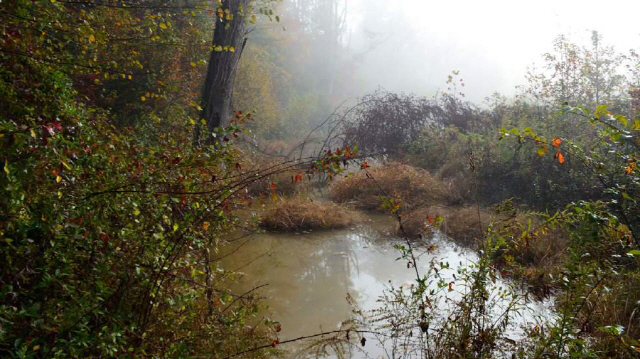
299	214
281	182
413	187
459	223
531	250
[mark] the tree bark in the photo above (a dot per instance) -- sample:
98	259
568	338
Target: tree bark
222	68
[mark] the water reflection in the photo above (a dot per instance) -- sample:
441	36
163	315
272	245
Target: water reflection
310	275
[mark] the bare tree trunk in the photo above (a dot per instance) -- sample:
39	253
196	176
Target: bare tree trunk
229	39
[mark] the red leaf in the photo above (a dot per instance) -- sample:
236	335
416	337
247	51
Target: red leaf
364	165
273	186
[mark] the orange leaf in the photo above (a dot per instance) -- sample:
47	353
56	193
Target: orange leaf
206	225
364	165
560	157
297	178
556	142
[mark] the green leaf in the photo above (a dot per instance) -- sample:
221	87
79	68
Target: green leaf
600	111
622	120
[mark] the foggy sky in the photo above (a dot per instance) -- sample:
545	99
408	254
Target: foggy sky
412	45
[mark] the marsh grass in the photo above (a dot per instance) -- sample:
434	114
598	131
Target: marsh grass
460	223
412	186
294	214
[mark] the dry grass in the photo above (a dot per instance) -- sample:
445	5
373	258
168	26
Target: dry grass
533	251
459	223
617	306
414	187
282	182
300	214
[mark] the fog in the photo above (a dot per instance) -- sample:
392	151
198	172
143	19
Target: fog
412	45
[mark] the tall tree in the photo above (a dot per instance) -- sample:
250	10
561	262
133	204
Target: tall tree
229	39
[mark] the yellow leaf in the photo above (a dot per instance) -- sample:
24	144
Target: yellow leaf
6	167
206	225
232	49
193	64
58	179
163	26
59	194
143	98
66	165
175	227
192	121
92	38
136	212
36	348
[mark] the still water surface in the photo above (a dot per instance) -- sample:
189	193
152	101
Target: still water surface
309	275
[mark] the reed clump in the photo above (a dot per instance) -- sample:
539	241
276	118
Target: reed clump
295	214
463	223
414	187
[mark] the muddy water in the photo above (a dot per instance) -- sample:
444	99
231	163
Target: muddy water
309	275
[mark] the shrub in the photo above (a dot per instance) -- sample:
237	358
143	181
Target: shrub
383	121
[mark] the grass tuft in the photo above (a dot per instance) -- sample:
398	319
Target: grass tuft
299	214
414	187
459	223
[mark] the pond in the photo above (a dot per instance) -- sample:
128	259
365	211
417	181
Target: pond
308	276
